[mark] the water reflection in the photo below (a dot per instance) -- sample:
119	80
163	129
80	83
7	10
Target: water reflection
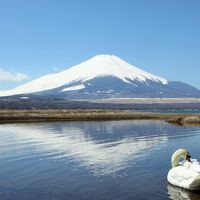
103	149
177	193
91	160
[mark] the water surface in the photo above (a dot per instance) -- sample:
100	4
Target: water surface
92	160
175	111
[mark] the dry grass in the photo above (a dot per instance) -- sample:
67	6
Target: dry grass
69	115
186	120
10	116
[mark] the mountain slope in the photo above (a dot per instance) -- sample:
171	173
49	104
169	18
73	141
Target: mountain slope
104	76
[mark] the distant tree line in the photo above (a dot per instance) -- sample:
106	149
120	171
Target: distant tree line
43	103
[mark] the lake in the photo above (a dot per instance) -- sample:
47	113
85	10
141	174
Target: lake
175	111
117	160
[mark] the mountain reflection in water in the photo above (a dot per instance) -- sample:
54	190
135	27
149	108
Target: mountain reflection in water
92	160
101	155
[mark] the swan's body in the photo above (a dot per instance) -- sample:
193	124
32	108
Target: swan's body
184	174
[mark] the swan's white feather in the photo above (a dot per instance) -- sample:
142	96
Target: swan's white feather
186	176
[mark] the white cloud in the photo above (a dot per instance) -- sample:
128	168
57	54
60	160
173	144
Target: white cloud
11	76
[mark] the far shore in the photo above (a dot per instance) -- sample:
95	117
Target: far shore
147	100
16	116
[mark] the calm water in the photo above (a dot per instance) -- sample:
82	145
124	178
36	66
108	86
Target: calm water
169	111
116	160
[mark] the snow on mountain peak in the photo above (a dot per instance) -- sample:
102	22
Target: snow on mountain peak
110	65
97	66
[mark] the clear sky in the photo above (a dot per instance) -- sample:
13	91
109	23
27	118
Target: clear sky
46	36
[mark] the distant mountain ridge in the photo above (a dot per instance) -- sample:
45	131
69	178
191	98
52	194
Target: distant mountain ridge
104	76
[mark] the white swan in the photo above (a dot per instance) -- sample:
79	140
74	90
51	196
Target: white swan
184	174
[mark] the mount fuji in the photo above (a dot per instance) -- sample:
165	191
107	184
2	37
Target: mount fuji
104	76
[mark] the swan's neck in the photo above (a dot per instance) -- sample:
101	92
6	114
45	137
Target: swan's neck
181	153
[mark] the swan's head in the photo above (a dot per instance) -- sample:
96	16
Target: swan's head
177	155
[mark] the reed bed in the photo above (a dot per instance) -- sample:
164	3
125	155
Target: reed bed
13	116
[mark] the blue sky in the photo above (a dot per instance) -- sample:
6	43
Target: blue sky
45	36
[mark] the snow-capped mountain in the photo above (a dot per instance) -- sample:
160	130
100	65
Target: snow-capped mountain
104	76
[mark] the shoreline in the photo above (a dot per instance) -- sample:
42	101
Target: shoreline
147	100
23	116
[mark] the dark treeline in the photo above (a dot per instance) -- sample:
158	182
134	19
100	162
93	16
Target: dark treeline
53	103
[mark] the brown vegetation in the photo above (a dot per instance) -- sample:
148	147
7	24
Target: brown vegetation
186	120
74	115
10	116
